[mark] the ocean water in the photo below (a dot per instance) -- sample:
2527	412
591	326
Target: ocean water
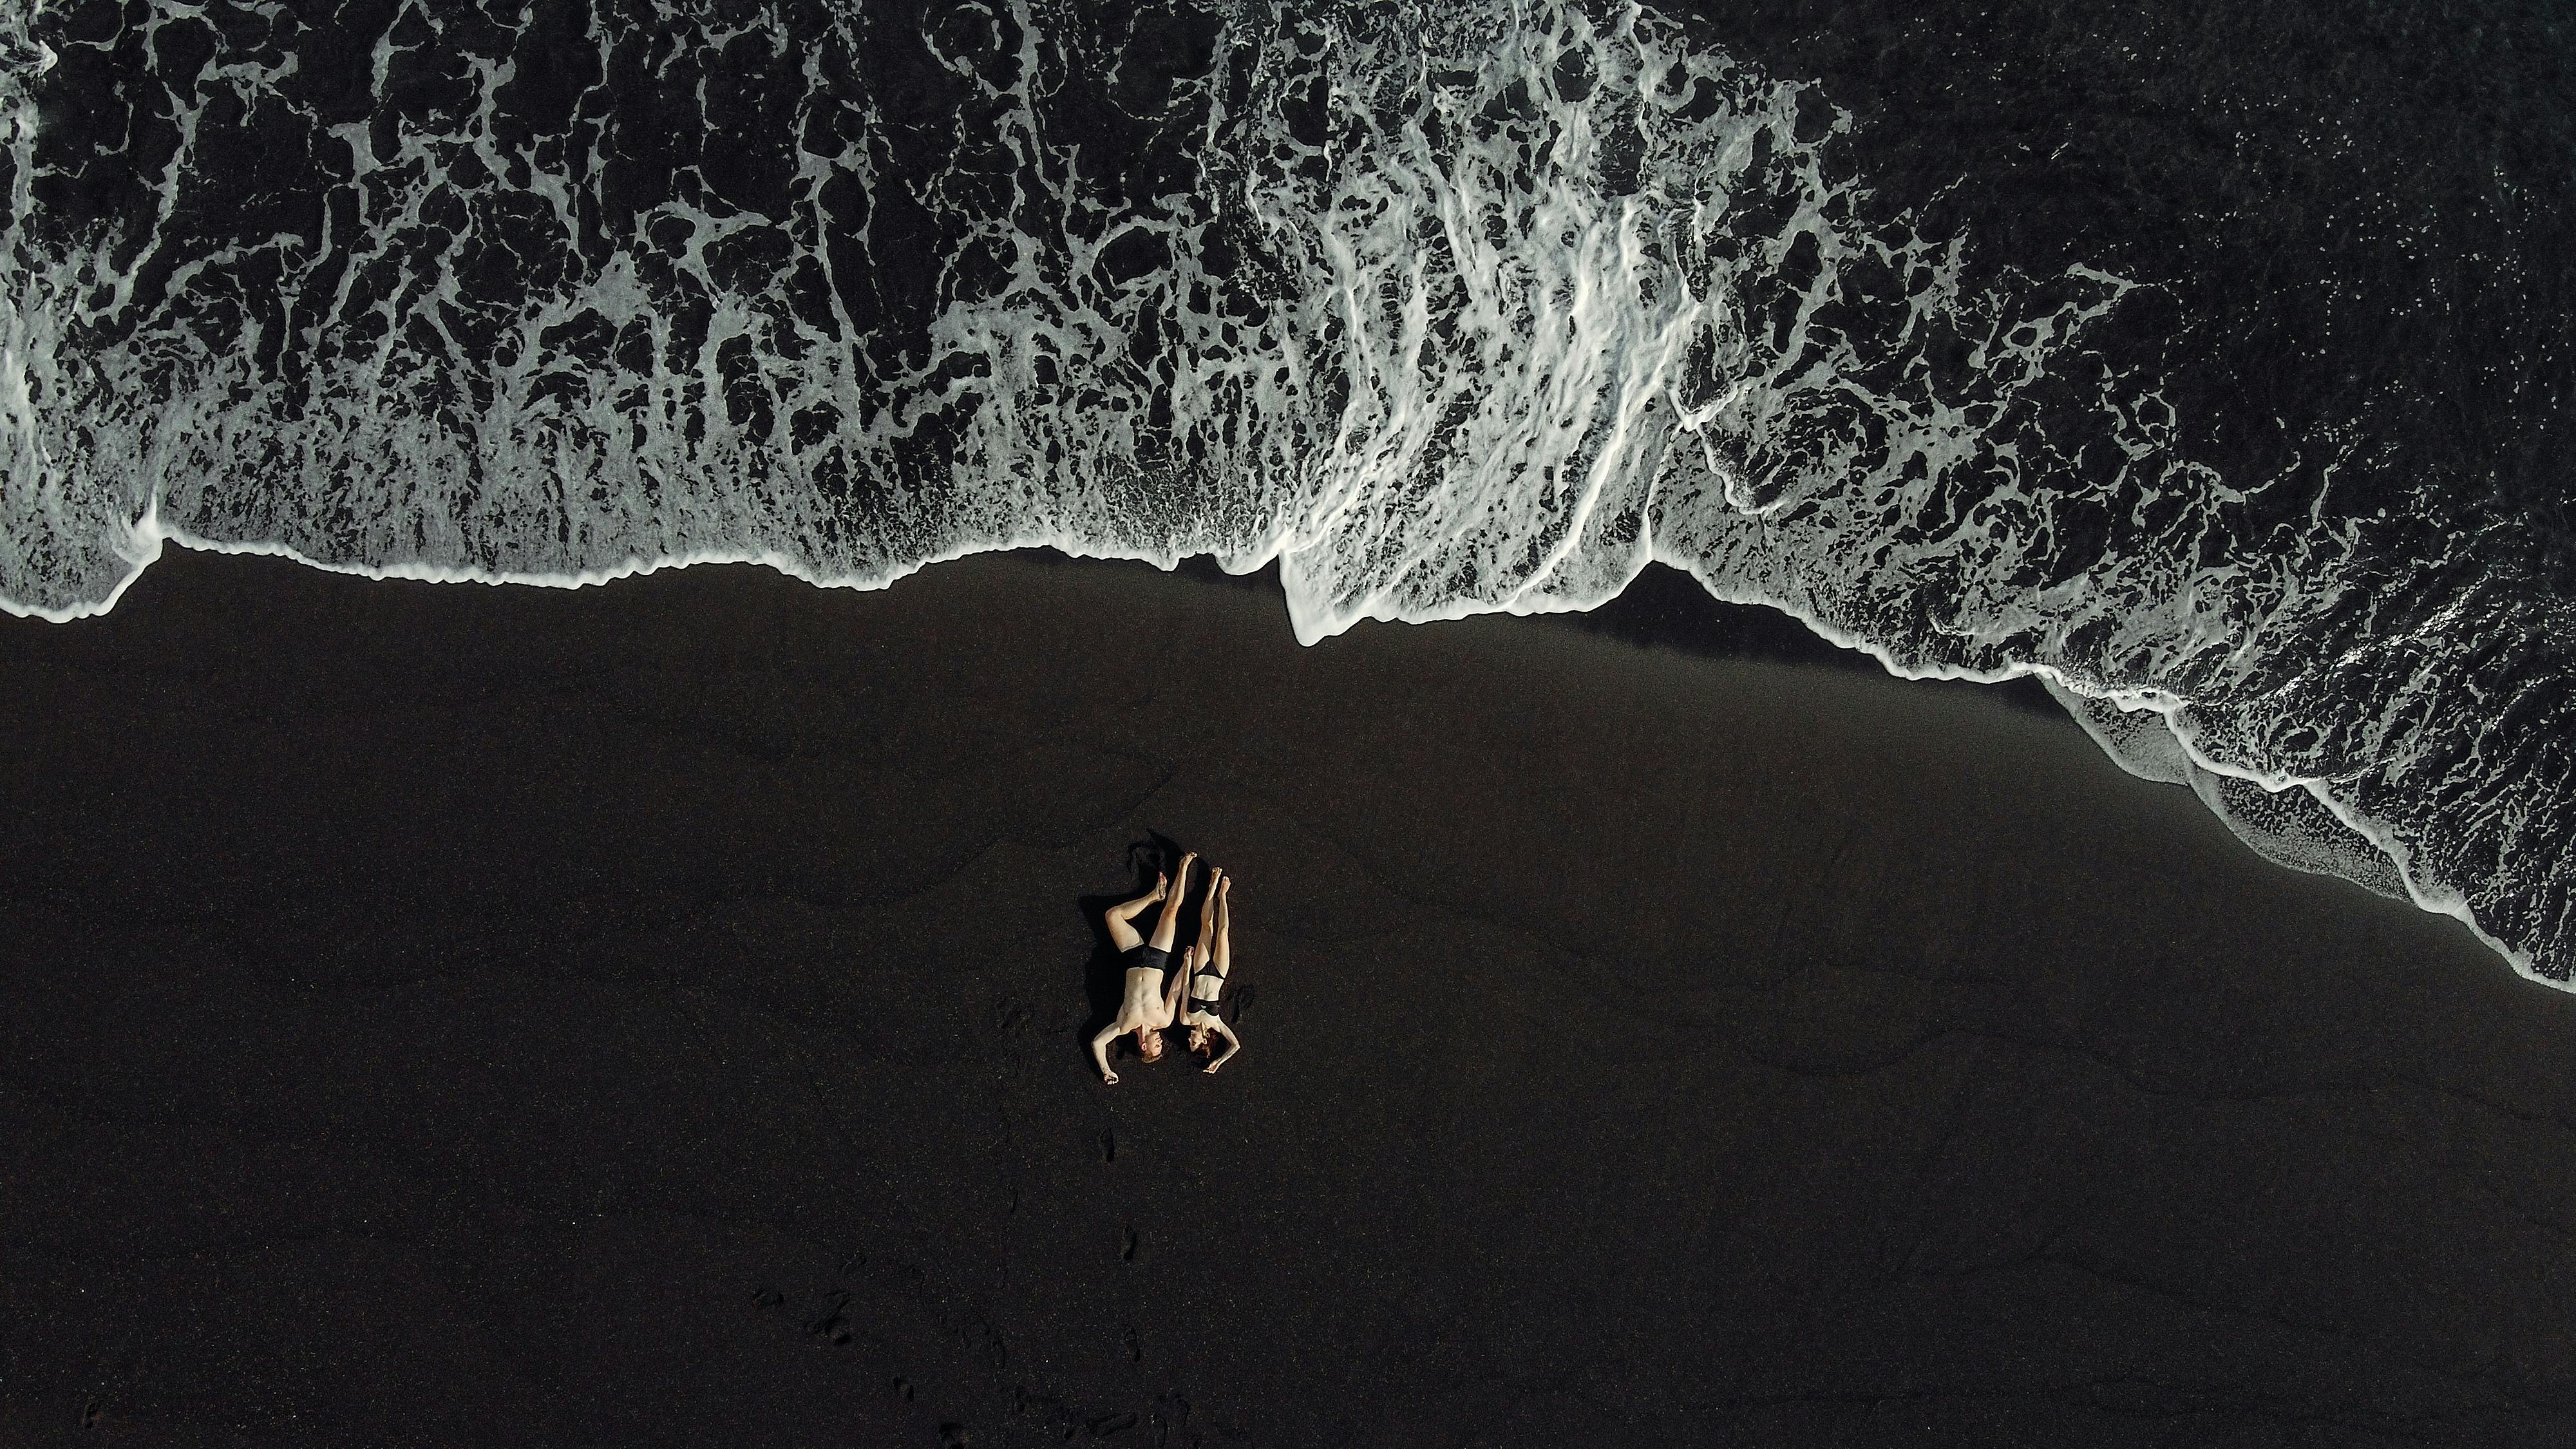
2210	366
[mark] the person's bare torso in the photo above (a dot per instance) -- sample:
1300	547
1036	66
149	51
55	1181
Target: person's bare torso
1199	1002
1145	1005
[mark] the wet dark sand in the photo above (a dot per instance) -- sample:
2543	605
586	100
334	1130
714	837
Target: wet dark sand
655	1014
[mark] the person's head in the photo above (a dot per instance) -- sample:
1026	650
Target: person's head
1202	1040
1149	1044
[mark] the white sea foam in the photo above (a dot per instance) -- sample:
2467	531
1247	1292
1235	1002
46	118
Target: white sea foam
1452	307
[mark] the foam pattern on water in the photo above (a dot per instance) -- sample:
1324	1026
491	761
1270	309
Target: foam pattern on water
1450	307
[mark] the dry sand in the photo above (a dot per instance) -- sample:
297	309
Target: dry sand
656	1014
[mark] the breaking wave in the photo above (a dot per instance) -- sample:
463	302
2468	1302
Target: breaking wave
1448	307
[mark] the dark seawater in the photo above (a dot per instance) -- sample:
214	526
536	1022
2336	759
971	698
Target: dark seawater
2206	362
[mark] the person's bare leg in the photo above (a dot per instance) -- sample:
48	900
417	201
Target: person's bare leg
1122	934
1207	912
1167	926
1223	957
1175	980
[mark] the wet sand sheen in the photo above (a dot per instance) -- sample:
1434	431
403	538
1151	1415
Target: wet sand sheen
656	1013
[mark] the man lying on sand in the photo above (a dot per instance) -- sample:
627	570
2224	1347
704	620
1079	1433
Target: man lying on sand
1207	966
1149	1005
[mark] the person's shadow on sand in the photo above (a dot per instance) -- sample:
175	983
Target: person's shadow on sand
1104	977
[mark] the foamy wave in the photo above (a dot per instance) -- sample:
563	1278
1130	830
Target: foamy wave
1450	308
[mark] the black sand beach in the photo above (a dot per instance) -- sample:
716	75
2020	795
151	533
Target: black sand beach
656	1014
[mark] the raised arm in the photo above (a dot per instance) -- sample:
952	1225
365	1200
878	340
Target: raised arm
1100	1053
1233	1044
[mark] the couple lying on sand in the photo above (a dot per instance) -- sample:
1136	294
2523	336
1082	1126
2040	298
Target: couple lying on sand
1149	1006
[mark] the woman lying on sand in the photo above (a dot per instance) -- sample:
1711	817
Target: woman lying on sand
1206	966
1149	1005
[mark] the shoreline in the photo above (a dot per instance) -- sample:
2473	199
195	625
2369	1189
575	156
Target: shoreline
1663	607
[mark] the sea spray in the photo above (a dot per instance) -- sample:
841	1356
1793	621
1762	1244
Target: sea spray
1448	307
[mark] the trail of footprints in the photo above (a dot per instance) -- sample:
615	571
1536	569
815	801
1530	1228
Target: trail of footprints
1164	1423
